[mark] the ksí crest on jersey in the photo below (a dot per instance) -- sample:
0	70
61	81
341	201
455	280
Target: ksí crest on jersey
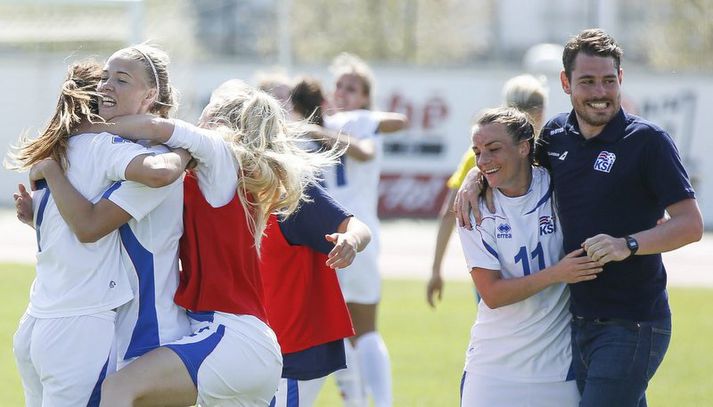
605	161
547	225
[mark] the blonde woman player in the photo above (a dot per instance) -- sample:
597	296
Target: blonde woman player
63	343
520	351
354	183
526	94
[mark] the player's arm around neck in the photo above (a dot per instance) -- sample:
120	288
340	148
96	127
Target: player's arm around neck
135	127
498	292
158	170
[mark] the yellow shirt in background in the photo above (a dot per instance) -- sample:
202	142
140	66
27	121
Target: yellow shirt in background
466	164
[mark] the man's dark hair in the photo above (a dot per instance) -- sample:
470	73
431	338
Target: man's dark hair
594	42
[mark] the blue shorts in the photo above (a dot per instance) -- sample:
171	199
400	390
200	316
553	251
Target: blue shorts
317	361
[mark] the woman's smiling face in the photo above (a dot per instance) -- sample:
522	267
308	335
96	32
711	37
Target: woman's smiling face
499	157
123	88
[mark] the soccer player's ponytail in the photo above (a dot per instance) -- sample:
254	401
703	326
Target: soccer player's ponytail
77	103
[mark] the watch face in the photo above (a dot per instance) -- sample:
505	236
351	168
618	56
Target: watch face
632	244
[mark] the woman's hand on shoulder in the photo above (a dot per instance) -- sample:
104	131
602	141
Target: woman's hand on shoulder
40	170
468	196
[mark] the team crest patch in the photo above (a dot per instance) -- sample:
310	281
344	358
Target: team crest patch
504	231
117	140
547	225
605	161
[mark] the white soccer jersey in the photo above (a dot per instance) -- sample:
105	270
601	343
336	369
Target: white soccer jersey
355	184
217	169
528	341
150	255
75	278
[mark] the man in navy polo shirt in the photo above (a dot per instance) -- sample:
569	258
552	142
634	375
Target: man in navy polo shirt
614	174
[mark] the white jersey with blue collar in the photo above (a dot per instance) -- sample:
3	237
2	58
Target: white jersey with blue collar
528	341
149	248
74	278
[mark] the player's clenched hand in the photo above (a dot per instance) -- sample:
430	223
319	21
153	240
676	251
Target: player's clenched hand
574	268
23	205
344	251
604	248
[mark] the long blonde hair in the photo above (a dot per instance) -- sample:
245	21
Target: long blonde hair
273	169
77	103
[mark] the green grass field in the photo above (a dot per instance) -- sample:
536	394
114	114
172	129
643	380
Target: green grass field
427	346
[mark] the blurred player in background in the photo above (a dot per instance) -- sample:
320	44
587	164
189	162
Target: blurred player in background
354	183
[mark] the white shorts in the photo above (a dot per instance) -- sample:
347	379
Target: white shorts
361	282
234	360
297	393
481	391
63	361
145	323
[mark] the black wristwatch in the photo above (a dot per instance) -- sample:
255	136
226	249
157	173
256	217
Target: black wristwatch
632	244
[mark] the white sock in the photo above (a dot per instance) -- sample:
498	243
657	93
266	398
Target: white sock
349	379
302	393
375	368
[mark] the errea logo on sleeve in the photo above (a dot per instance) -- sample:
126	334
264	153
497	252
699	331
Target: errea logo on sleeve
605	161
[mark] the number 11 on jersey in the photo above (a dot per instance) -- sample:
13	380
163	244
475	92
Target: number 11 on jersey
521	256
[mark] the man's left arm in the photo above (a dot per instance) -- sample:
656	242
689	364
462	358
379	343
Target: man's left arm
685	226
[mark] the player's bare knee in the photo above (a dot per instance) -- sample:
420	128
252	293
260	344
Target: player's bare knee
116	393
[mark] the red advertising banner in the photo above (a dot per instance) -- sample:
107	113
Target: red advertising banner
411	195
